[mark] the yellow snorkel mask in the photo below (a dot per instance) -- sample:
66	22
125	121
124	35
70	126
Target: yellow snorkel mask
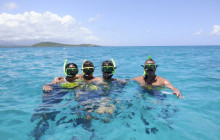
69	71
109	69
87	70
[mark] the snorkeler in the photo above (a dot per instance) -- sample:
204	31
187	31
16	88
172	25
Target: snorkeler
88	69
51	96
71	72
150	79
108	70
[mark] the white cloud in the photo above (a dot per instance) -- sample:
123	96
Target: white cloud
216	30
94	18
43	26
10	6
199	32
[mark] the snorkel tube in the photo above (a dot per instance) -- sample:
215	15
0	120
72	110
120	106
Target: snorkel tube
82	66
149	57
64	67
113	65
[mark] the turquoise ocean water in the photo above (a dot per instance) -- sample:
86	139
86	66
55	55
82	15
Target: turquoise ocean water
195	70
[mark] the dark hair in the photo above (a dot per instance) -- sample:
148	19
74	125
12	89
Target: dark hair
88	64
73	64
150	60
107	63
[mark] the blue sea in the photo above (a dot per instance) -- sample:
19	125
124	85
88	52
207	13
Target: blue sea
139	115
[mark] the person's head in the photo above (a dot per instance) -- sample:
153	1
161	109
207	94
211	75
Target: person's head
88	69
70	69
149	67
108	69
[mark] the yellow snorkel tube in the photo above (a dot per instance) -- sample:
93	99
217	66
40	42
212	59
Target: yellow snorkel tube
113	65
64	67
82	66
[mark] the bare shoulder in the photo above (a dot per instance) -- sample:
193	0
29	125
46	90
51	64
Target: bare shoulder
162	81
97	79
79	76
139	78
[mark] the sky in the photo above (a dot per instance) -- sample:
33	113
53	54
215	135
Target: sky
111	22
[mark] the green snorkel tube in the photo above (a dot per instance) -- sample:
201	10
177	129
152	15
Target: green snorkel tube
144	70
113	65
64	67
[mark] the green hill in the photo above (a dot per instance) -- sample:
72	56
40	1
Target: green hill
54	44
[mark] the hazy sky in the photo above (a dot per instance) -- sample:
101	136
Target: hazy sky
111	22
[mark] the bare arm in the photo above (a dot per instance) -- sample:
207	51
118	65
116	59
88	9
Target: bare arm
56	80
175	90
139	79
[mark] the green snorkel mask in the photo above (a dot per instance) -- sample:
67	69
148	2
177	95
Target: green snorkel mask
147	67
69	71
109	69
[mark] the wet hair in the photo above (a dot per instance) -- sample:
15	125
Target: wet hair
88	64
107	63
71	64
149	60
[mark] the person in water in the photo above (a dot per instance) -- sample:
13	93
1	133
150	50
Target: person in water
88	70
150	79
108	70
50	97
71	72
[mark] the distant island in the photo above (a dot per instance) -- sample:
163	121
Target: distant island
54	44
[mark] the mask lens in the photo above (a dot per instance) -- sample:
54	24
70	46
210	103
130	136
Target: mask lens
71	71
104	69
107	69
150	67
110	69
91	70
88	70
85	70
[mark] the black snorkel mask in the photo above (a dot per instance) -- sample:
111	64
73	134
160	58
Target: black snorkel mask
70	72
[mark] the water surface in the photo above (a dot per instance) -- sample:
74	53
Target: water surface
195	70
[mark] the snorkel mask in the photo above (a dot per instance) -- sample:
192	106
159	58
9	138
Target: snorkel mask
69	72
87	70
149	67
108	71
